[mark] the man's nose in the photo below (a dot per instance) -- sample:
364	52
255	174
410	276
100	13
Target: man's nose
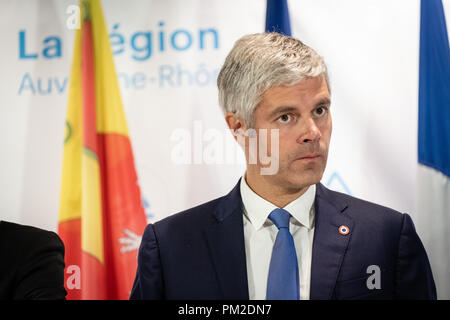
309	132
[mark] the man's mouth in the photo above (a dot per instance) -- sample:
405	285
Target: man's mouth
312	156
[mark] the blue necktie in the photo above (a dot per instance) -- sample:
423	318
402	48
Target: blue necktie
283	282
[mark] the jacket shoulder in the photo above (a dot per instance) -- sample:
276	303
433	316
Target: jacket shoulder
360	209
197	216
27	236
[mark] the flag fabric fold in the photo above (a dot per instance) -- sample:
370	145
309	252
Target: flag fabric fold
433	214
277	17
101	213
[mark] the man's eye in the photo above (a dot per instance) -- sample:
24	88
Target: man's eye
320	111
285	118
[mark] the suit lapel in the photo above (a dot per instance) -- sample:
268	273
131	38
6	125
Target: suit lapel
227	247
329	245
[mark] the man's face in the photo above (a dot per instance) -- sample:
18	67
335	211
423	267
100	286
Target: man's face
301	113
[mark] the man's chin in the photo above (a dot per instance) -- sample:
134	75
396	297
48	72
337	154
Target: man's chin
294	178
300	181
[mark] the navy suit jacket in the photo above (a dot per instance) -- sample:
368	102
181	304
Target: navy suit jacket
31	263
200	253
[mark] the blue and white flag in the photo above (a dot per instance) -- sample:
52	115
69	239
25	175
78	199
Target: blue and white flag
434	142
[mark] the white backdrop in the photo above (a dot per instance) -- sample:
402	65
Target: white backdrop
168	54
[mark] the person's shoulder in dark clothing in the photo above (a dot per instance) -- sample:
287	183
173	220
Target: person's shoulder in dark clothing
31	263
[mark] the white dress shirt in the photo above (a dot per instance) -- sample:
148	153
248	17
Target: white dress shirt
260	234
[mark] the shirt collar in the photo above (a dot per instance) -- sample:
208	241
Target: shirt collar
258	209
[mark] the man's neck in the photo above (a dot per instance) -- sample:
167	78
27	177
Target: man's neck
275	194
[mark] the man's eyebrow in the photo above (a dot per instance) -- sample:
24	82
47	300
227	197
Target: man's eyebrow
323	101
286	109
282	109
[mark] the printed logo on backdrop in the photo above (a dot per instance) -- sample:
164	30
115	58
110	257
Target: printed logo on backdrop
148	213
131	241
139	46
336	183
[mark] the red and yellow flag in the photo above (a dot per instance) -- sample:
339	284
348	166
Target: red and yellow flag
100	206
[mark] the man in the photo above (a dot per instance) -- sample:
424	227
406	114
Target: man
31	263
280	234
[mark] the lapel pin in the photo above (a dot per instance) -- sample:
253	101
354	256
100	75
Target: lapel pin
344	230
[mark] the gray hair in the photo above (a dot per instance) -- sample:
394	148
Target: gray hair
260	61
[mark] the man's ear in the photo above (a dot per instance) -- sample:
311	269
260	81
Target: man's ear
237	126
234	122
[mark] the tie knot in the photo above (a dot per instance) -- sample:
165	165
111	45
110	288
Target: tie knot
280	218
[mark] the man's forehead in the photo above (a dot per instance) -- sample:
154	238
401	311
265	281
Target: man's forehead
312	90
